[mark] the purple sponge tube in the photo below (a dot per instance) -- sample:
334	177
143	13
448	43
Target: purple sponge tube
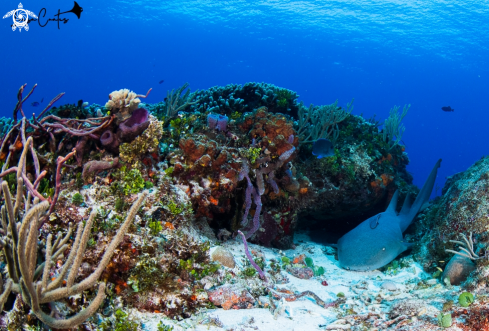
134	125
250	258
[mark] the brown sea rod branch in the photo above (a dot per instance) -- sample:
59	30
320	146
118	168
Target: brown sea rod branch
39	178
19	102
64	292
7	136
30	187
466	247
20	245
60	162
75	120
31	147
79	133
144	96
56	98
8	171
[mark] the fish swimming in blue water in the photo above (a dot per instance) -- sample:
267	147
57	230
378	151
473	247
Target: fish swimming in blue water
447	109
322	148
35	104
161	81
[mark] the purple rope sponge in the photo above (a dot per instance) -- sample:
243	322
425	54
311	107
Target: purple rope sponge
249	190
272	182
250	258
134	125
256	217
285	155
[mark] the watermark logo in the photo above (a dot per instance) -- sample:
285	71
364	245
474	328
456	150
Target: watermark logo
23	17
20	17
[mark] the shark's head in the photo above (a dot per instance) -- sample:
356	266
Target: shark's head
372	244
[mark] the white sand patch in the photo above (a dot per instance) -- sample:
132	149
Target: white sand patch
364	295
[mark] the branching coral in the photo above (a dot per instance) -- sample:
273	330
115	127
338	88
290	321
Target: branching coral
321	122
235	99
52	135
20	247
393	128
466	248
175	101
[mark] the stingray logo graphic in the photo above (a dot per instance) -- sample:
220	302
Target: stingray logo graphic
20	17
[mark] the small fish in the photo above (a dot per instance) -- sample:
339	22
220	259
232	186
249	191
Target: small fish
322	148
42	100
35	104
165	99
447	108
161	81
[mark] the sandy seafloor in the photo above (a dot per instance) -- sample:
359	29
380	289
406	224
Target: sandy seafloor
360	289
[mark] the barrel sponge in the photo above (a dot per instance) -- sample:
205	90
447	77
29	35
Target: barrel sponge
122	103
134	125
223	256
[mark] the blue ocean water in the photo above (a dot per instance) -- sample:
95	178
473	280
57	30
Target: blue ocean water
382	53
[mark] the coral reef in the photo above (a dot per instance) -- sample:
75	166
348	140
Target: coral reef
462	209
215	167
357	181
234	98
20	249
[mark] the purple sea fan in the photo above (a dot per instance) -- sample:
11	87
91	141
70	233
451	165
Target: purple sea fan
134	125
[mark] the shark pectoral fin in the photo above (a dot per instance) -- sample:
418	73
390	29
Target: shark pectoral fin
406	245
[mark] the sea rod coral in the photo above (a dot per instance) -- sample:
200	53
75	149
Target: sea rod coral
31	279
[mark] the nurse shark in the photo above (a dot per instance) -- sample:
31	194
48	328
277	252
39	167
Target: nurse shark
378	240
